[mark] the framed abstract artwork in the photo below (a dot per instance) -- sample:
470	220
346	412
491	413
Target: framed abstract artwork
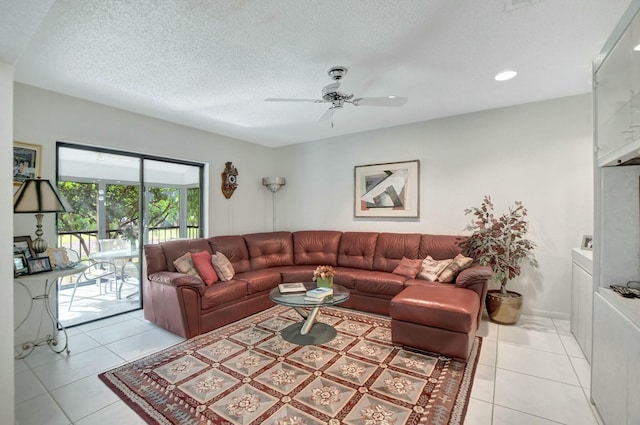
387	190
26	162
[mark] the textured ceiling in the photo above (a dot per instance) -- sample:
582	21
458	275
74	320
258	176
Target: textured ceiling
210	64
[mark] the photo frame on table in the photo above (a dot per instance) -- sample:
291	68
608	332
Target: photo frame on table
387	190
57	256
26	162
587	242
39	265
20	266
23	244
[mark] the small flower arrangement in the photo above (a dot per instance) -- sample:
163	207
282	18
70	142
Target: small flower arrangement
324	272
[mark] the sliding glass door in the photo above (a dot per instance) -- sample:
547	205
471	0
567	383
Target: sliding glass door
120	202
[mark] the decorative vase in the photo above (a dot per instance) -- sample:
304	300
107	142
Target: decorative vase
324	283
503	309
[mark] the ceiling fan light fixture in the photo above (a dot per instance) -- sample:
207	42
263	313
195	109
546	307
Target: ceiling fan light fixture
505	75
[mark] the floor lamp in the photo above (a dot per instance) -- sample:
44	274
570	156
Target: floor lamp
274	184
39	196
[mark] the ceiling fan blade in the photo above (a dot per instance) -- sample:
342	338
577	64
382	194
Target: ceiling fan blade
394	101
328	114
284	99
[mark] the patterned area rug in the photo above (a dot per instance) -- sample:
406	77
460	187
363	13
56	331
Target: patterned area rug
245	373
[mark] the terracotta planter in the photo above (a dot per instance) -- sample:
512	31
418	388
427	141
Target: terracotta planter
504	309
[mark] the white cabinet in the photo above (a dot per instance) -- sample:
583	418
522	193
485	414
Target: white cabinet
582	299
615	376
617	93
615	379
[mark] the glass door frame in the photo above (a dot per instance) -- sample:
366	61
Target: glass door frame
142	199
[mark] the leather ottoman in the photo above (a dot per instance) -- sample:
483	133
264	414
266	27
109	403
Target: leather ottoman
438	318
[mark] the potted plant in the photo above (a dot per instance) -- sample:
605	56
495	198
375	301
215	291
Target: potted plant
500	243
323	276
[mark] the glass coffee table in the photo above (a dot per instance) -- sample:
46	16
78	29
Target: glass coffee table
309	332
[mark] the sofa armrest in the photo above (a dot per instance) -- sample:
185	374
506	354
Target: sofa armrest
175	279
475	278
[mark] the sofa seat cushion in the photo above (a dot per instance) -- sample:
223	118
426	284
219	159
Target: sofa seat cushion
346	276
443	307
223	292
296	273
260	280
381	283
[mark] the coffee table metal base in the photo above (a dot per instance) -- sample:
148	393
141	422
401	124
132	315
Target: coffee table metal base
319	333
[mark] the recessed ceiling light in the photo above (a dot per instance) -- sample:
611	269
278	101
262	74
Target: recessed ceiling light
637	48
391	97
506	75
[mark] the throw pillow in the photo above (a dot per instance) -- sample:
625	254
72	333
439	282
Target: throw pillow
184	264
458	264
223	266
432	268
202	262
408	267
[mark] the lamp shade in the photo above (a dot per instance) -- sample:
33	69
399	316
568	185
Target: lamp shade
273	183
39	196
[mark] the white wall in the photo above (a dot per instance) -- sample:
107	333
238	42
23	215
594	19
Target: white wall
43	117
537	153
7	394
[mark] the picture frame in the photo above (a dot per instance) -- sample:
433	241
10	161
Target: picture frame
39	265
23	244
587	242
389	189
57	256
26	162
20	266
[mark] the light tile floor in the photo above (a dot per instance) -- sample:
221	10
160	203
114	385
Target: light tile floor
531	373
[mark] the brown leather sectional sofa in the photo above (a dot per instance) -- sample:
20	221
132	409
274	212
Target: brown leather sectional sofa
437	317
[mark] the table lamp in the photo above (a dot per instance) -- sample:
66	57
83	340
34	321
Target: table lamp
39	196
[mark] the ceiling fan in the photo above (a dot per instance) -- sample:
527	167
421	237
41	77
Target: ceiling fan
337	99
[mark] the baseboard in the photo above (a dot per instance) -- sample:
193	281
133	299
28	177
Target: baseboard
549	314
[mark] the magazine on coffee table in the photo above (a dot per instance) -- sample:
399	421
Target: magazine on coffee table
287	288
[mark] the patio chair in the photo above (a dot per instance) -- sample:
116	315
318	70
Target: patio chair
127	268
98	272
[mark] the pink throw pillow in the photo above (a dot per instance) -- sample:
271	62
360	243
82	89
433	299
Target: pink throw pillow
202	263
408	268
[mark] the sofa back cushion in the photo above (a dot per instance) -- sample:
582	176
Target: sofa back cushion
271	249
155	259
174	249
357	250
234	248
391	247
440	247
316	247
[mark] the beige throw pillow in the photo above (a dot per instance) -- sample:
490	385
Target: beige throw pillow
432	268
223	266
458	264
184	264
